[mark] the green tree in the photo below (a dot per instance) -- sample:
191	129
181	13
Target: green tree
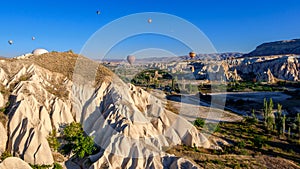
265	111
283	124
289	133
279	120
269	120
80	144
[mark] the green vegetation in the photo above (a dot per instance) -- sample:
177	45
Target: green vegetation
5	155
248	139
155	78
269	119
199	122
35	166
298	124
53	141
57	166
259	141
280	120
241	86
78	143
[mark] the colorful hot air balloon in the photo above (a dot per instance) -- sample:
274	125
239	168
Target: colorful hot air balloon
149	20
130	59
192	55
10	42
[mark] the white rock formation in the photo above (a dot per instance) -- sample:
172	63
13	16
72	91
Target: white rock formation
284	67
3	138
2	101
14	163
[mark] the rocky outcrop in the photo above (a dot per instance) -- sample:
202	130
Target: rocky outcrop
266	77
284	68
14	163
277	48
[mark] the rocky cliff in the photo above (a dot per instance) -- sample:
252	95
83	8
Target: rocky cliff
277	48
130	126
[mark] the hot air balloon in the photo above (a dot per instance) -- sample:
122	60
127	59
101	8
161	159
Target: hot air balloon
98	12
130	59
10	42
149	20
192	55
33	38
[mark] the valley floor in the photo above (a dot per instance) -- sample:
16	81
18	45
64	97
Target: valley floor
244	150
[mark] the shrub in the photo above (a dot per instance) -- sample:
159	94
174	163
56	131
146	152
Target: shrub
35	166
251	120
259	141
199	122
80	144
57	166
241	144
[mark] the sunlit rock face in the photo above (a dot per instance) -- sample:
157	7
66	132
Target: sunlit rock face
14	163
271	68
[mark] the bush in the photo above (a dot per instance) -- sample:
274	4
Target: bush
35	166
80	144
199	122
57	166
251	120
259	141
241	144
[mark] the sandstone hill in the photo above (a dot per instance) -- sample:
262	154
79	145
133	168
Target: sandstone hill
130	126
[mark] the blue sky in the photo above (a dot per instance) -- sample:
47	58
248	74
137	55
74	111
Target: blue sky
61	25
